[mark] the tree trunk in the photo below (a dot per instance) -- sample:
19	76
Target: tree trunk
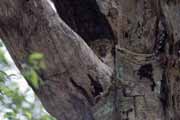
139	37
74	76
147	58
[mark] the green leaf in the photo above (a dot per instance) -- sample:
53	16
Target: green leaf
28	114
32	78
2	58
6	91
17	98
35	57
42	65
36	61
3	76
10	115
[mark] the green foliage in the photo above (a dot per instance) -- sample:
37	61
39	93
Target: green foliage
10	115
28	114
3	76
36	60
15	104
34	66
2	58
32	77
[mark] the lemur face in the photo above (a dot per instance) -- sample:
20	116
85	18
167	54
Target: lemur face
103	49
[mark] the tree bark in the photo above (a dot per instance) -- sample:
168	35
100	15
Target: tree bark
142	45
86	19
74	77
147	58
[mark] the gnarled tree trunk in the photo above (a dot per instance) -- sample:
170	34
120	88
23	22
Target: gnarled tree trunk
138	39
74	74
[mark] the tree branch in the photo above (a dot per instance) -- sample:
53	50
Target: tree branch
29	26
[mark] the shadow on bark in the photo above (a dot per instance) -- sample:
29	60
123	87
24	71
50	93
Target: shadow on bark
85	18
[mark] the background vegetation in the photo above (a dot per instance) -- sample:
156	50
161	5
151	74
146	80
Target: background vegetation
17	100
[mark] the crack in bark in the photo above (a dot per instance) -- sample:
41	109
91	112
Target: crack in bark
98	89
164	92
146	71
82	90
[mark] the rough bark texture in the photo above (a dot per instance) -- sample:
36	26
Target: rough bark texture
140	37
85	18
74	74
147	58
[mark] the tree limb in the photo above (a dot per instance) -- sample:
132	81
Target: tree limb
28	26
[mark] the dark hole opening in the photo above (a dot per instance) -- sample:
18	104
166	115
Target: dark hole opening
98	89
